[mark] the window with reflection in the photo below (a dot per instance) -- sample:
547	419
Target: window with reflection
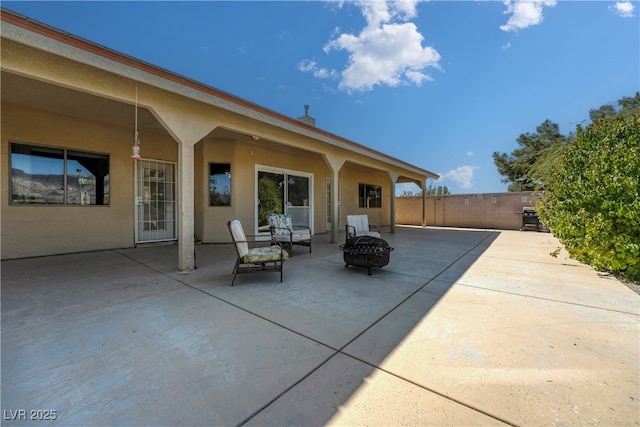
58	176
219	184
369	196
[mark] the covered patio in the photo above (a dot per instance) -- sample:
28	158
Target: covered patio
463	327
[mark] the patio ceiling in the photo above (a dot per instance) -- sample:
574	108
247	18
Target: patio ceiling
56	99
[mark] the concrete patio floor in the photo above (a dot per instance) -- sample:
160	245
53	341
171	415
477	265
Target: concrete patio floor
463	327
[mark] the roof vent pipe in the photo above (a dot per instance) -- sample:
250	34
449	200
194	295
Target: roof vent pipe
307	118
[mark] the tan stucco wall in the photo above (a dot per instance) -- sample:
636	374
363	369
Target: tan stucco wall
451	210
243	158
350	178
43	230
187	113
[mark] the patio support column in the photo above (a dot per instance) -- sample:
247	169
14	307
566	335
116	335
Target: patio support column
187	128
186	247
393	178
335	164
423	187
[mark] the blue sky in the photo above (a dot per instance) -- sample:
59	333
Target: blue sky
439	84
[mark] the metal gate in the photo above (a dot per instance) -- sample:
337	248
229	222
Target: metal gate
155	201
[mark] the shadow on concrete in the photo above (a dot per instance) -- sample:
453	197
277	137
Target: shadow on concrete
121	337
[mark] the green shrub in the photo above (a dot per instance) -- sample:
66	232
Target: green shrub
592	204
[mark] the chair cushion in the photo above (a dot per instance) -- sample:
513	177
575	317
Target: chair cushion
301	235
282	224
370	233
296	236
264	254
359	222
239	237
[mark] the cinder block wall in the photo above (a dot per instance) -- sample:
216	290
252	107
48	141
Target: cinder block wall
489	210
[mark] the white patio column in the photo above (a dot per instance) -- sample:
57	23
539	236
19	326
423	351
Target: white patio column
423	186
186	246
393	178
335	164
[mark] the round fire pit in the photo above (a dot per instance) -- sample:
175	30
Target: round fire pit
366	251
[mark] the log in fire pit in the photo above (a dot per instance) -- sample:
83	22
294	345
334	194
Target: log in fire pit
366	251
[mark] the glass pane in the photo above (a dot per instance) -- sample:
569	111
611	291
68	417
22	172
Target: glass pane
87	178
298	199
219	184
375	196
37	175
270	195
369	196
297	191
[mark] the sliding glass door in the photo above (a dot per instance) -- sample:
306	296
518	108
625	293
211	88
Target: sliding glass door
282	191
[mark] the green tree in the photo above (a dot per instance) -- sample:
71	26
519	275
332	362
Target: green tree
627	105
431	190
516	167
271	199
592	202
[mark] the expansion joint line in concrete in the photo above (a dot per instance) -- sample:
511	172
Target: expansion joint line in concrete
230	303
473	408
550	299
341	350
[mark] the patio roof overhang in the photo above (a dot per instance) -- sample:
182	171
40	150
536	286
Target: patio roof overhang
36	35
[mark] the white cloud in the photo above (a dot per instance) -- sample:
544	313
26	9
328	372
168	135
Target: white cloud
387	51
407	188
311	66
524	13
323	73
470	154
463	176
307	65
623	8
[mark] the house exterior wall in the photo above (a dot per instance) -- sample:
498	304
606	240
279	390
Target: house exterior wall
43	230
60	91
244	158
482	211
350	178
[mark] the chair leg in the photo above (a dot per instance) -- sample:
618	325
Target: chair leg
235	272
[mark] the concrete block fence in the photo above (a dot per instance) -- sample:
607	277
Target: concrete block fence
483	210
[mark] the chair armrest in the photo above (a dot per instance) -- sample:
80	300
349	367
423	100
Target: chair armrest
349	232
263	241
257	240
302	227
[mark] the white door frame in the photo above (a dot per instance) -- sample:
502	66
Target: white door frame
170	202
271	169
